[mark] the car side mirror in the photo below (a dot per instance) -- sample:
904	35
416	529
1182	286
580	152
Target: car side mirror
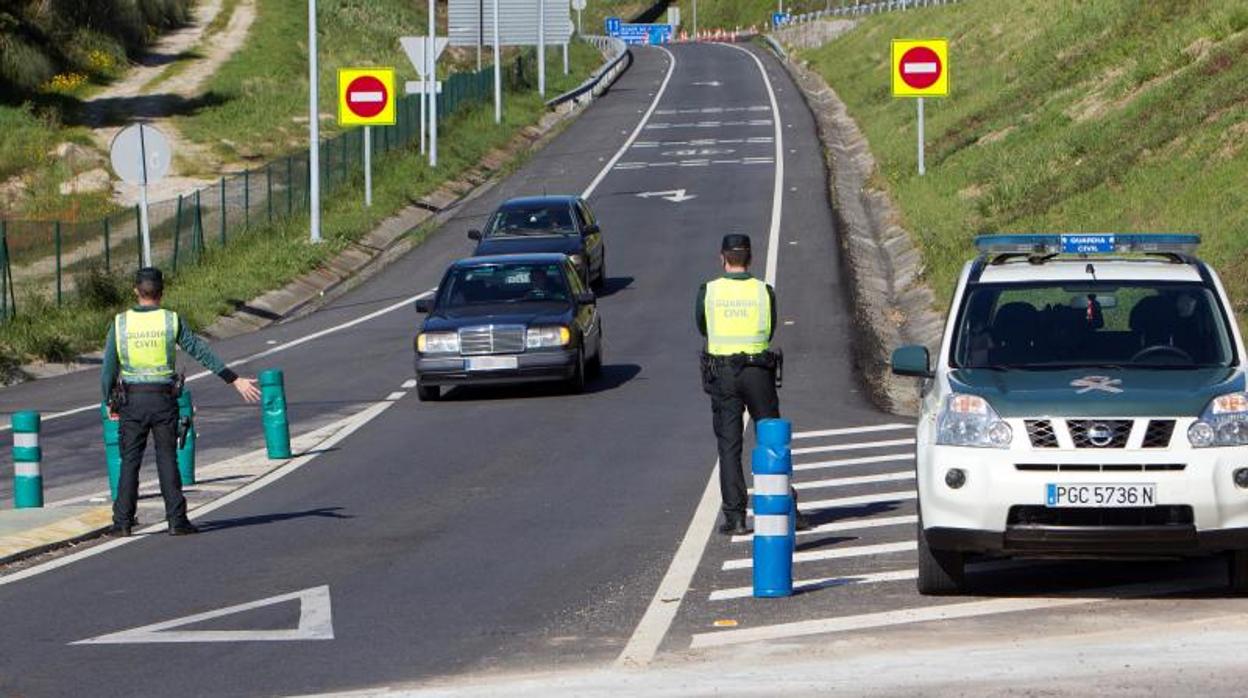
592	229
474	234
424	305
912	360
586	298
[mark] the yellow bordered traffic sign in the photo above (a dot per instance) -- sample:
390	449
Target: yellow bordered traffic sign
366	97
920	68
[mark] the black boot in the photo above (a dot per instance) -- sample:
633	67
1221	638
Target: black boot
182	528
734	524
802	522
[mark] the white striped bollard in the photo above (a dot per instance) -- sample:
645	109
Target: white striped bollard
27	478
772	463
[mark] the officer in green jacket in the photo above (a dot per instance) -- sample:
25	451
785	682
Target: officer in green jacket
141	388
737	315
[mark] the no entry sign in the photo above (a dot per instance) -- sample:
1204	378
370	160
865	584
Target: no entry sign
920	68
366	97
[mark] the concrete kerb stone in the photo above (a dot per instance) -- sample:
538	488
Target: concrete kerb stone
892	305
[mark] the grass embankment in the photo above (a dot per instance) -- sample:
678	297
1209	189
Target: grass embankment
730	14
1115	115
265	258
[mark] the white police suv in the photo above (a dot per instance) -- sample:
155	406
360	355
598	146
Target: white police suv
1089	399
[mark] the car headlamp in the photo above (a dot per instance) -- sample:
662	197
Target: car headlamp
546	337
437	343
968	420
1224	423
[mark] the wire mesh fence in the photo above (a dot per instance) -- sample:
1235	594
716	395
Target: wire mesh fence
53	258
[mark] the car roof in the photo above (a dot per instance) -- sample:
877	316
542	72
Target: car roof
523	258
1022	271
546	200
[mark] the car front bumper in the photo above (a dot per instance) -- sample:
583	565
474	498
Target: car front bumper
531	367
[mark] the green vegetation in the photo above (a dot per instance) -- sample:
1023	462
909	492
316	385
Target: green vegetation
593	19
1113	115
729	14
266	257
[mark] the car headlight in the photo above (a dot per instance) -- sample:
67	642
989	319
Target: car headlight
968	420
1224	423
577	259
437	343
545	337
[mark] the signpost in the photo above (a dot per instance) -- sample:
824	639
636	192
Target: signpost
578	5
418	49
920	69
613	26
366	98
141	155
314	129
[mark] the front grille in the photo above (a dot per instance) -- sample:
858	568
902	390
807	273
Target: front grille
491	339
1041	433
1036	515
1158	433
1100	468
1087	433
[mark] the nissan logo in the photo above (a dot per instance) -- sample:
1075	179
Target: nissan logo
1100	435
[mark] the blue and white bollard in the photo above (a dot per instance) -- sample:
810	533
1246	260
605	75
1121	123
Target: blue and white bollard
27	475
774	536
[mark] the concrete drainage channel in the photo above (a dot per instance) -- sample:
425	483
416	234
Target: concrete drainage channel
30	537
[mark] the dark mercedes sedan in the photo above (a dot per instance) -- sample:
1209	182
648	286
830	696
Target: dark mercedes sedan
508	319
561	224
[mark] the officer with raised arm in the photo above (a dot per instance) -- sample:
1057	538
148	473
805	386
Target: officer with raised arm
142	388
737	315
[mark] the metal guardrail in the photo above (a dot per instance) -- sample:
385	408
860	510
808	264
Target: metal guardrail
867	8
618	60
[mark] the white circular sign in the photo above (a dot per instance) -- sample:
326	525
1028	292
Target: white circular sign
578	4
141	154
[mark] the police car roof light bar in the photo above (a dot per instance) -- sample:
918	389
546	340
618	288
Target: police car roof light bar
1085	244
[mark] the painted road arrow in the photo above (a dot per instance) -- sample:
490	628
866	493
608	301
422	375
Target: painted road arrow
315	623
675	195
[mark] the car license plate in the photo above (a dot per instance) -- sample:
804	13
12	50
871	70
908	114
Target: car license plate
1107	495
492	363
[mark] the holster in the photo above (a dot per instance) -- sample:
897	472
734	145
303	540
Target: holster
117	397
184	428
175	389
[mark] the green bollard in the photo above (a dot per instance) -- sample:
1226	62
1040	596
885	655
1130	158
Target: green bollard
112	450
27	456
186	434
273	411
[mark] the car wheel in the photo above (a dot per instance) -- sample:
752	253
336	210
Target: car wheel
576	383
1237	571
428	393
941	572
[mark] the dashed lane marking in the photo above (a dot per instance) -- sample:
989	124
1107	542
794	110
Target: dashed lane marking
847	462
661	126
841	526
409	384
821	583
851	430
858	445
712	110
746	563
397	395
693	163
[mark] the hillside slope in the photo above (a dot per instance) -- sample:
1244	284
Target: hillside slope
1065	115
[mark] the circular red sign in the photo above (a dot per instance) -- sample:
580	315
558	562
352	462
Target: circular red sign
920	67
367	96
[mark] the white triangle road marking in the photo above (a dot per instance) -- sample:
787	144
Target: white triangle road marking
315	623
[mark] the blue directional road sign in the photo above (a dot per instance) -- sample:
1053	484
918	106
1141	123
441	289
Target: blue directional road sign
779	19
613	26
645	33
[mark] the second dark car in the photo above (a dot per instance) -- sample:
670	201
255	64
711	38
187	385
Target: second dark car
560	224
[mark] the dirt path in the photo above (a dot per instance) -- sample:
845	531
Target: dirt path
136	98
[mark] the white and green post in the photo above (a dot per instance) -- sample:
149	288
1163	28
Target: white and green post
28	478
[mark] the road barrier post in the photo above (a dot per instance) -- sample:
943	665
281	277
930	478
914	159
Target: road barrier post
774	535
27	475
186	438
273	410
112	450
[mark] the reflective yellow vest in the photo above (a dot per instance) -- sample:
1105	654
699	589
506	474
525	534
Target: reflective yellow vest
146	344
738	317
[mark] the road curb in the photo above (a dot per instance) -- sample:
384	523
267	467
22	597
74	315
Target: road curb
892	305
75	528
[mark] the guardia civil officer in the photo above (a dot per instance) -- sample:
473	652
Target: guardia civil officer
141	388
737	315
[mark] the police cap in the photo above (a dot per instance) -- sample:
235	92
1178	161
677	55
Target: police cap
150	275
735	241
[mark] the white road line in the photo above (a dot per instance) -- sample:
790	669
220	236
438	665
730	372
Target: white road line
944	612
397	395
658	95
851	481
646	638
851	430
846	462
853	525
409	384
267	352
746	563
853	446
694	163
880	498
350	426
821	583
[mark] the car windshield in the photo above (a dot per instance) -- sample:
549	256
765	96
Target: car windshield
488	284
545	219
1128	325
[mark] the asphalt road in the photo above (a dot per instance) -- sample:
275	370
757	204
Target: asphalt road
496	529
